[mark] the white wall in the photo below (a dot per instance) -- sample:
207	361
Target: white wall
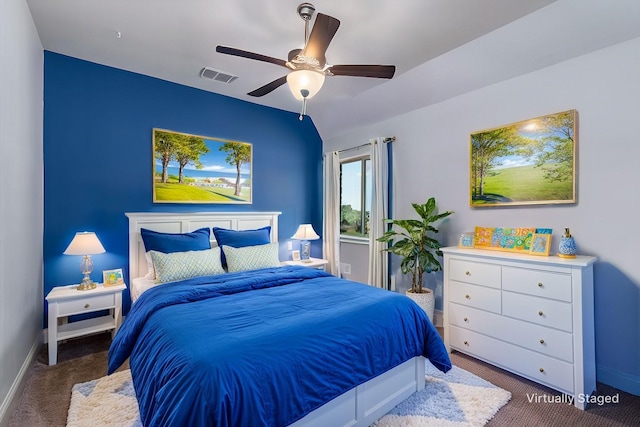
431	158
21	197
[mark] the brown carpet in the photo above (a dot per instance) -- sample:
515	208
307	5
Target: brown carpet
45	399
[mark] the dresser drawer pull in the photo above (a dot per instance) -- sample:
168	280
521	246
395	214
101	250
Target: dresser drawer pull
466	343
541	341
465	319
467	296
542	370
86	305
468	273
540	284
540	313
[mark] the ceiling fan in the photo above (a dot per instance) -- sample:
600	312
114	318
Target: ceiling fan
308	67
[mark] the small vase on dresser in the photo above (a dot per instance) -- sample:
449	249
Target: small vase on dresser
567	247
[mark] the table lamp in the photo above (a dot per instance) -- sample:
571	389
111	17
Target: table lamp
85	243
305	233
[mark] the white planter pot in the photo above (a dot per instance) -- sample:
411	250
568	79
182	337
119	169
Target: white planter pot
425	300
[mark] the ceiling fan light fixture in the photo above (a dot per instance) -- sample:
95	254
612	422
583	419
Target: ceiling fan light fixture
310	81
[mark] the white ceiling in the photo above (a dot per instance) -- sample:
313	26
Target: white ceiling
174	39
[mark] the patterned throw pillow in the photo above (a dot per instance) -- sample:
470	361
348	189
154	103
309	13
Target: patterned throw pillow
184	265
251	257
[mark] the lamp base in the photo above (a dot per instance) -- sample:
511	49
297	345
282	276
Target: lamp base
305	250
86	284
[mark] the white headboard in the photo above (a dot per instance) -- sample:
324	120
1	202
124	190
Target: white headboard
184	222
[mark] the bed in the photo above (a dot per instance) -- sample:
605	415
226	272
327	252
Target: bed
277	345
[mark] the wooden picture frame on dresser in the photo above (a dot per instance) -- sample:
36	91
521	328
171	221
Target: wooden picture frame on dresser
527	314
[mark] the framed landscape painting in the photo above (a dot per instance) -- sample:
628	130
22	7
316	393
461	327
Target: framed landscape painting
200	169
525	163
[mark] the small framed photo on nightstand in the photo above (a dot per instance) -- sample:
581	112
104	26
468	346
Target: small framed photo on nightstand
295	255
112	277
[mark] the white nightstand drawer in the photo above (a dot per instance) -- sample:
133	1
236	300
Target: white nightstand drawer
475	272
86	304
541	339
475	296
554	314
539	283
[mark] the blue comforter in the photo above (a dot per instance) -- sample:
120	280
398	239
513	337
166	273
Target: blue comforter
263	348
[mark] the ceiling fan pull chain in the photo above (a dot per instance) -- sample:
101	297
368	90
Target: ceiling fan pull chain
304	93
304	109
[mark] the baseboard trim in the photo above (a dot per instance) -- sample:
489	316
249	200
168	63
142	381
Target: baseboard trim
11	400
620	380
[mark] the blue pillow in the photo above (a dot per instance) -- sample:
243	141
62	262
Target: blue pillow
241	238
197	240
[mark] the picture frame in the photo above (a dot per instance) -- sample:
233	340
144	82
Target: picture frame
540	244
191	168
525	163
112	277
295	255
466	240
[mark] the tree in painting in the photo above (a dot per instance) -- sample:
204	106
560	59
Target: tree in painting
180	147
237	155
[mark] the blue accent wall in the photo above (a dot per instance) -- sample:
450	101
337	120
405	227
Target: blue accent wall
98	159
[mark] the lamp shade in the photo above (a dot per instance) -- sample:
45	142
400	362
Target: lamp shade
85	243
309	80
305	232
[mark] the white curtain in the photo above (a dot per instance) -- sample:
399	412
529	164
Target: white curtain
331	223
378	260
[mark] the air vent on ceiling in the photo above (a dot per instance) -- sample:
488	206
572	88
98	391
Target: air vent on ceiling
219	76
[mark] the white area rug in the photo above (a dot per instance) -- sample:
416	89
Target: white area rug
457	398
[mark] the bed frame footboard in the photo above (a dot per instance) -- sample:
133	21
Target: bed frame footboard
367	402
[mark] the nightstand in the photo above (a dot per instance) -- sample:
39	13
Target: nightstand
316	263
66	301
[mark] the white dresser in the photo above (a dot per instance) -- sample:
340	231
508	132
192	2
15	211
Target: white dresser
531	315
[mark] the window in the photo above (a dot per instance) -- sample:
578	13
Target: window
355	197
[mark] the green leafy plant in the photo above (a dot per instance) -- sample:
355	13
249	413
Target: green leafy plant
413	243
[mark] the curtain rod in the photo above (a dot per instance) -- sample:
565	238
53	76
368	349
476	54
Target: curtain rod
386	140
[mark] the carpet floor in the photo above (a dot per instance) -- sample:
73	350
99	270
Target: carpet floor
457	398
45	398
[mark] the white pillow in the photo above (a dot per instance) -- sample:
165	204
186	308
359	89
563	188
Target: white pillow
251	257
151	272
185	265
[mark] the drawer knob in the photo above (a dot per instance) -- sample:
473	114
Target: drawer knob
467	296
465	319
468	273
86	305
466	343
542	370
540	313
541	341
540	284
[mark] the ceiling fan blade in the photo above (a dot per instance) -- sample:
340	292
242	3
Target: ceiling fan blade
293	53
269	87
250	55
324	29
378	71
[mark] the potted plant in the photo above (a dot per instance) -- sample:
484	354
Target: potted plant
411	241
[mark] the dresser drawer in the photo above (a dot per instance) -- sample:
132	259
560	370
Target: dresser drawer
546	312
541	339
535	366
87	304
475	272
475	296
538	283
